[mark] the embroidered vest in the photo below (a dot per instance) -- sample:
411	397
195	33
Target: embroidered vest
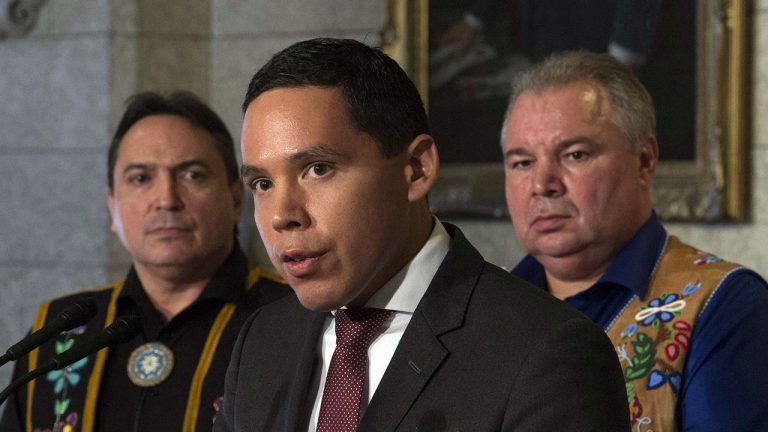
66	400
652	336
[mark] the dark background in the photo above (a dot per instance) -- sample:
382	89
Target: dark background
467	118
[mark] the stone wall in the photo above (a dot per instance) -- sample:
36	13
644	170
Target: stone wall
54	117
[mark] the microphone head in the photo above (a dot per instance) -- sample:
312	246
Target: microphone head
78	313
123	329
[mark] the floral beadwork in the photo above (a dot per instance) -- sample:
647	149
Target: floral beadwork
217	407
680	336
660	310
691	288
68	425
672	337
657	337
706	259
635	408
658	378
67	376
652	334
629	330
63	379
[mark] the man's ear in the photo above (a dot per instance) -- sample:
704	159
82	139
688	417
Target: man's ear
649	159
112	209
422	167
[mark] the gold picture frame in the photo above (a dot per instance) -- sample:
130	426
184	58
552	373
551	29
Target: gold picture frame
710	186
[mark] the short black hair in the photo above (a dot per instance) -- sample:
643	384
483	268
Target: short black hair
380	98
179	103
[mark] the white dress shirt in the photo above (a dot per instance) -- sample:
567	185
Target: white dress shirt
401	295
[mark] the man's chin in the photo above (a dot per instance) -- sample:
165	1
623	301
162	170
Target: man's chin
555	248
172	258
318	306
309	298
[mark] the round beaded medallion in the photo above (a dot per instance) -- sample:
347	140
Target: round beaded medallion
150	364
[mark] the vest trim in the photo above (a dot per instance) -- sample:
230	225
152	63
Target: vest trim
211	343
94	383
42	312
619	314
714	291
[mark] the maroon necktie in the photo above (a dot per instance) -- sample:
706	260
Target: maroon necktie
343	391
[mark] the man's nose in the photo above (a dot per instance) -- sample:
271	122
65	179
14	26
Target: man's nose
167	194
290	209
547	179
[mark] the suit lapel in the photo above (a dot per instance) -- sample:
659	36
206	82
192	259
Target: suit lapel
420	352
297	410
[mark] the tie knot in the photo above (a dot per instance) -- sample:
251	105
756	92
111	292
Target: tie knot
358	327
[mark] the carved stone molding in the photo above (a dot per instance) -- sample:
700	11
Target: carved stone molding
17	17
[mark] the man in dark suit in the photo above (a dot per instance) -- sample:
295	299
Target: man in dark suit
338	156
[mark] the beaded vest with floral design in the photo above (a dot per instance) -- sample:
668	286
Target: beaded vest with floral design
652	336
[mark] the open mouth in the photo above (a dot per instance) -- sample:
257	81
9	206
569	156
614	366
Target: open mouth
301	263
297	258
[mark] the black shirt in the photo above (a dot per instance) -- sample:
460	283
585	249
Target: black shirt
124	406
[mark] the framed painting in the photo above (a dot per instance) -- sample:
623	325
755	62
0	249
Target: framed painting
462	56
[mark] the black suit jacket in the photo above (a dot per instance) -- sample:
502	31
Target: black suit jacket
484	351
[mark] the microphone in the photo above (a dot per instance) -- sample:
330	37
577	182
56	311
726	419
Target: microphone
74	315
122	330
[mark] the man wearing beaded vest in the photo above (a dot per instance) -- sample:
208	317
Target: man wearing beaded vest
175	198
580	154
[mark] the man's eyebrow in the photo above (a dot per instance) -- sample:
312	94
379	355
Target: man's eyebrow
138	166
575	140
319	151
562	145
190	163
516	151
312	153
179	166
251	171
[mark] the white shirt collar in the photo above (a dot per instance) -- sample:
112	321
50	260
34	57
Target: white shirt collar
404	291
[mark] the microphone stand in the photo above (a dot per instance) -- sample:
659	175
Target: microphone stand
76	314
122	330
